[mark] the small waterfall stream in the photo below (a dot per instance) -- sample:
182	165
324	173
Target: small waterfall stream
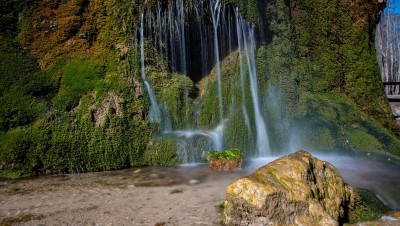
155	111
193	46
215	13
262	144
240	40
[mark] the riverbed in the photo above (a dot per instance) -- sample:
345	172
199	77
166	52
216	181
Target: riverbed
184	195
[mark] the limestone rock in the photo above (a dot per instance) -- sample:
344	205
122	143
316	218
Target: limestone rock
297	189
111	101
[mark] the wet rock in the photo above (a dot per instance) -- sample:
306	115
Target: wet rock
297	189
110	105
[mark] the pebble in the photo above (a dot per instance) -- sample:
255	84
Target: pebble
193	182
137	171
153	175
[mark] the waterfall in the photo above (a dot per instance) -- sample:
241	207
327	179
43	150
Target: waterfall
203	41
180	18
215	6
262	143
155	111
193	39
240	40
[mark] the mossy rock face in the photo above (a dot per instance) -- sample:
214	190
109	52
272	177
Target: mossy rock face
369	207
297	189
333	121
161	153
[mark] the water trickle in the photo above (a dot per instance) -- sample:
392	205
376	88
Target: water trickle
262	143
240	41
215	6
154	112
192	143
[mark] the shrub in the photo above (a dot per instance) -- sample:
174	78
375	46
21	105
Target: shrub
225	160
233	154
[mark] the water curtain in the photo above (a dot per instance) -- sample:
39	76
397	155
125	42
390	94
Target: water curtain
194	38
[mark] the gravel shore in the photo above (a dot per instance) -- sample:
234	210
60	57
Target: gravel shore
147	196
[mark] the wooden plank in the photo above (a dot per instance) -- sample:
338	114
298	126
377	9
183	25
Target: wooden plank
393	98
391	83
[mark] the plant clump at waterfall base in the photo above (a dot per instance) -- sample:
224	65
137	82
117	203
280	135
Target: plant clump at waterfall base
225	160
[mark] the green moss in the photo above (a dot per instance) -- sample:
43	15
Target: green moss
231	92
22	87
315	134
232	154
174	92
221	208
11	174
236	133
339	123
78	78
271	171
161	153
20	218
176	191
368	207
253	10
361	140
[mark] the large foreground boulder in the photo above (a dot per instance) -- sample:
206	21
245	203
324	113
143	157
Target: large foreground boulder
297	189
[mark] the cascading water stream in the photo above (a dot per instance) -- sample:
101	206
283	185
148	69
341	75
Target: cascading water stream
154	112
240	40
203	45
215	6
180	19
262	143
210	36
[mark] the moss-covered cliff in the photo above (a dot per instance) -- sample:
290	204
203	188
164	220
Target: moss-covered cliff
73	101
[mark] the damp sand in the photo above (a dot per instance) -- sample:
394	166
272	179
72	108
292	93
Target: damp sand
147	196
